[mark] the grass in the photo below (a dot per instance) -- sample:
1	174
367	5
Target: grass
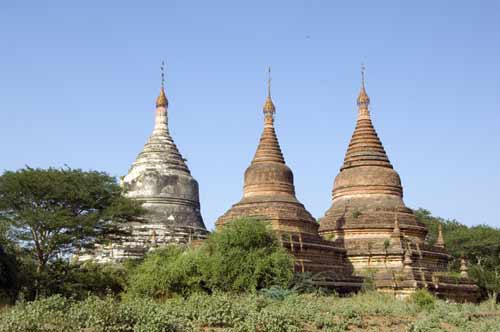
224	312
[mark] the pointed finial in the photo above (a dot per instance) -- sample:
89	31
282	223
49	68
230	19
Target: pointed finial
269	108
162	98
162	68
363	99
440	238
269	82
363	75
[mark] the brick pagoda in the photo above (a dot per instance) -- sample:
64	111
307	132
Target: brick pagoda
269	194
382	236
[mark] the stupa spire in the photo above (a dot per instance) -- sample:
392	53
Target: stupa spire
269	148
269	108
440	238
363	100
160	150
162	100
365	147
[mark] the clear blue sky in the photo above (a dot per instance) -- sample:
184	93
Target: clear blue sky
78	81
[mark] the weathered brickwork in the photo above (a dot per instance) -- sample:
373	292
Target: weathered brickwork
381	235
269	194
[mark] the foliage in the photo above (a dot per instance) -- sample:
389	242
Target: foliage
248	312
423	299
368	279
304	283
51	212
8	267
480	245
8	276
166	272
276	293
75	281
244	256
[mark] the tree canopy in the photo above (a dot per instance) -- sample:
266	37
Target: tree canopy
480	245
52	212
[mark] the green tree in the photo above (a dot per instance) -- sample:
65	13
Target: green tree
480	245
51	212
8	276
8	267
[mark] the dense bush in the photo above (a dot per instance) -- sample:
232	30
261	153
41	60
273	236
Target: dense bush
246	256
166	272
423	299
242	257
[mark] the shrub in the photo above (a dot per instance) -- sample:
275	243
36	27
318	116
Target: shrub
242	257
245	256
217	310
276	293
167	272
70	280
38	316
423	299
268	321
246	313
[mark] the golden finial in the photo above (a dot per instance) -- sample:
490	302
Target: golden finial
363	99
269	105
162	98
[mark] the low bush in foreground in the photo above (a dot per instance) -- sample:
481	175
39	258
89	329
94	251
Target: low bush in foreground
248	313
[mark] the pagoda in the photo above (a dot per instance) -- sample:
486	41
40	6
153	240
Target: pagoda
383	238
160	179
269	194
